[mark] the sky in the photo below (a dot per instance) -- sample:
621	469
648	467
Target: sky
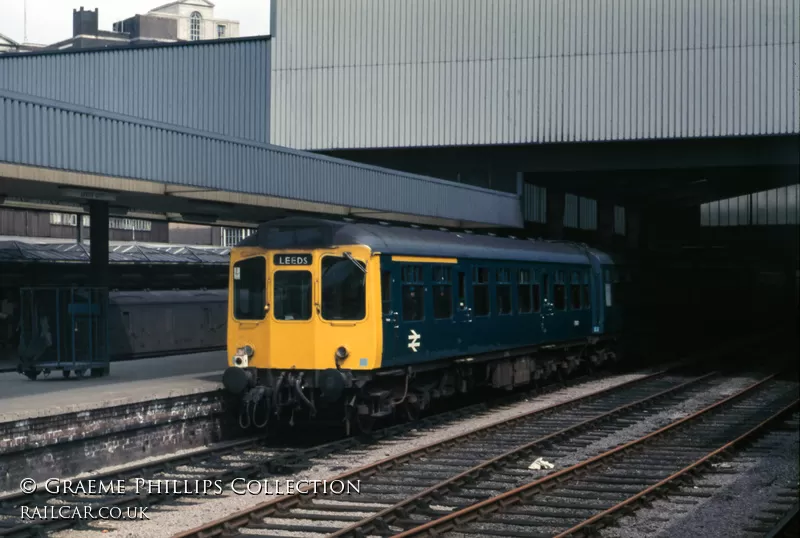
50	21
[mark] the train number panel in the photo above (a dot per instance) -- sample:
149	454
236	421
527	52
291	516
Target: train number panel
335	319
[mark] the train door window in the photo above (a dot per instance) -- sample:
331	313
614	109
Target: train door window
462	290
537	298
503	291
292	295
607	283
575	290
587	296
442	292
480	290
559	291
524	291
249	288
386	291
413	293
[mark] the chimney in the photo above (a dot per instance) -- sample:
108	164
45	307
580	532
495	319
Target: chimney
84	22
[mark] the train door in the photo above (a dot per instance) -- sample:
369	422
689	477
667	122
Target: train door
411	337
462	317
597	292
548	312
249	305
390	305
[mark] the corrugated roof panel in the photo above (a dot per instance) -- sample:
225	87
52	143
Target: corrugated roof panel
447	72
218	86
250	168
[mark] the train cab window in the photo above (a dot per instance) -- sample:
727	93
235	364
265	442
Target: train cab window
344	289
559	292
503	291
386	291
587	295
480	291
249	288
413	293
292	295
575	290
442	292
524	291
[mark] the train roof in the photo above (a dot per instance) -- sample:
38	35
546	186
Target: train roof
300	233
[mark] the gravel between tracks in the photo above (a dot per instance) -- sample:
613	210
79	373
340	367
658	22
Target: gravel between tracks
752	478
189	513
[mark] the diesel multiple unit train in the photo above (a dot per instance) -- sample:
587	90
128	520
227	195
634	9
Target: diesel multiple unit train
335	319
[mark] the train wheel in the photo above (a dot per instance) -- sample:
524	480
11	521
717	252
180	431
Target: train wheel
365	423
32	374
65	373
99	372
80	373
412	411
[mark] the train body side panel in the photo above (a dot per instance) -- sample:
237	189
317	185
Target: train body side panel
481	306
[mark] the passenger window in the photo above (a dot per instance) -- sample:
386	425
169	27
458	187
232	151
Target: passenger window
559	292
442	293
480	290
575	290
537	300
462	289
587	296
413	294
524	295
386	291
503	294
292	295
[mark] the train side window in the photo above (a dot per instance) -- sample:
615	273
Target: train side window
587	296
559	292
462	289
413	293
575	290
442	292
503	291
537	299
480	291
386	291
524	292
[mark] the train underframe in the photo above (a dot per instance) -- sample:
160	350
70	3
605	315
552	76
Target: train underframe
359	399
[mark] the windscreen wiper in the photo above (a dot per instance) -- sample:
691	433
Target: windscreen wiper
356	262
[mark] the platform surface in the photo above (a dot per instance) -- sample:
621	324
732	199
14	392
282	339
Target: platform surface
128	382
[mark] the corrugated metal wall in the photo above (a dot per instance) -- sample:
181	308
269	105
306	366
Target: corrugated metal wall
220	86
384	73
39	132
775	206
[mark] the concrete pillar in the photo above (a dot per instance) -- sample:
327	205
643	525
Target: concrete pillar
605	223
79	235
555	213
98	249
633	224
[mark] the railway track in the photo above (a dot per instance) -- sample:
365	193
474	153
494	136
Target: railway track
396	489
247	458
458	484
